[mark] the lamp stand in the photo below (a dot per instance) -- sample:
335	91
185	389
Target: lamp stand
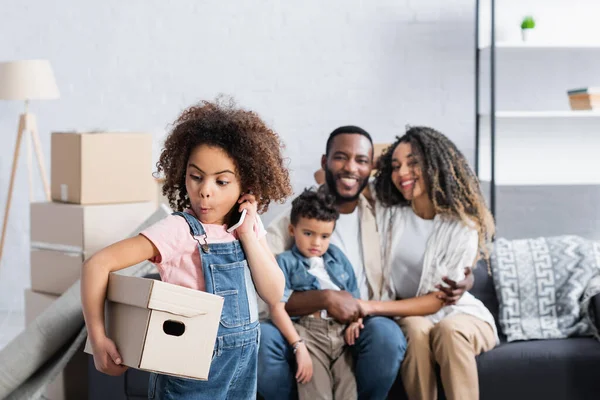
27	125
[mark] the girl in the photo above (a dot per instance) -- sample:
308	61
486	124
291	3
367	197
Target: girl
217	161
434	223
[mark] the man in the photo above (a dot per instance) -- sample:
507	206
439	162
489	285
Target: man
380	348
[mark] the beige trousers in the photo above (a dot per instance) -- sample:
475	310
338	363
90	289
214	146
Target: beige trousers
333	377
452	343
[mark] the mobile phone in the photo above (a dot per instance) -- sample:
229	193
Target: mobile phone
239	217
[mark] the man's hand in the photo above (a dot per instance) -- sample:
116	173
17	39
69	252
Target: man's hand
454	291
343	307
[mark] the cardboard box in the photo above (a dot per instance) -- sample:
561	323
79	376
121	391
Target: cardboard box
54	272
72	382
84	229
161	198
378	149
162	327
102	168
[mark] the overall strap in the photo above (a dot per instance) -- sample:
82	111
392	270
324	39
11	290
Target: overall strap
196	227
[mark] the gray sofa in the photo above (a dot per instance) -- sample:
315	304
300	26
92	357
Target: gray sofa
564	369
546	369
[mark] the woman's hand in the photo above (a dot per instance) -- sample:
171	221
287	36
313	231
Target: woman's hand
353	332
365	308
248	203
305	365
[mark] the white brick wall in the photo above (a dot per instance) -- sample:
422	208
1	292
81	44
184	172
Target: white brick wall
305	67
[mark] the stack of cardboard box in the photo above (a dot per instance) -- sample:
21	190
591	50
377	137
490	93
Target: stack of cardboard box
102	189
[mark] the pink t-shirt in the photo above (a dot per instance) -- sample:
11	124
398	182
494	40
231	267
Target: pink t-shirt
179	262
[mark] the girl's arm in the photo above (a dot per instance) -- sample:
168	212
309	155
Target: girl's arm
94	282
416	306
266	274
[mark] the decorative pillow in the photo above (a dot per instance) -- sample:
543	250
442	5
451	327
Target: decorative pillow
540	285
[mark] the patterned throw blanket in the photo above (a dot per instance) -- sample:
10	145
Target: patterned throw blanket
544	286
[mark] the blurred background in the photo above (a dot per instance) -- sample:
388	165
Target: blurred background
312	66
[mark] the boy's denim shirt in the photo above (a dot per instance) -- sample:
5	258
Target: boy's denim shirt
297	278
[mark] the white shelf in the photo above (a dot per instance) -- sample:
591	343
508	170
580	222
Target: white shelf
542	45
542	148
544	114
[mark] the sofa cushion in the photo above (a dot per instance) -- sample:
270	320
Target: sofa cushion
541	282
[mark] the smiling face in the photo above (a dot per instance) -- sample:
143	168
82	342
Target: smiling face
312	236
348	166
407	173
212	184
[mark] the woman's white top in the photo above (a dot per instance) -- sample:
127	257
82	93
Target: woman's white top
441	247
408	251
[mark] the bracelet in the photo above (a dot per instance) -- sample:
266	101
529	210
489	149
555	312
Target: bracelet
297	344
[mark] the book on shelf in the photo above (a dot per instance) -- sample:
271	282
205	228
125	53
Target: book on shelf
584	98
585	91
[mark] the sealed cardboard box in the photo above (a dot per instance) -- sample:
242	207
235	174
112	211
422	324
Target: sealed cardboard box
54	268
84	229
160	197
162	327
53	272
72	382
102	168
378	149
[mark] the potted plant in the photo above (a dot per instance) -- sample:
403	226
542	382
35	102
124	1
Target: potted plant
527	26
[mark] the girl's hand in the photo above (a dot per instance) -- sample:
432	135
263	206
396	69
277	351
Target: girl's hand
106	357
353	332
305	365
247	202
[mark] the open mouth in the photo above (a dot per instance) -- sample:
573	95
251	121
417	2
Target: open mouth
348	182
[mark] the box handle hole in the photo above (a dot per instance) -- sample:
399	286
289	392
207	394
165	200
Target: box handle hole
173	328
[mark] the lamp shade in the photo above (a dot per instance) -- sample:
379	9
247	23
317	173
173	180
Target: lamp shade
27	80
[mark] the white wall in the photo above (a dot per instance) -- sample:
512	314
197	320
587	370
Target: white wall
306	68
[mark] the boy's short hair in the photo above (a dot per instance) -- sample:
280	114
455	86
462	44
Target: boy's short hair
314	204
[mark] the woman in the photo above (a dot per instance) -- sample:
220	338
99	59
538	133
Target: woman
433	222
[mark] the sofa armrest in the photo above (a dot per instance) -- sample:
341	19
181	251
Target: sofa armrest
595	310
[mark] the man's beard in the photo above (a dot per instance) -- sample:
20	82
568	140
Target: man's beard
332	186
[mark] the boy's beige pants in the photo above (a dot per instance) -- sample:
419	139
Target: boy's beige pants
452	343
333	377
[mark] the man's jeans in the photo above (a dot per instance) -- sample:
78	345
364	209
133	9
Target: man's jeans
377	353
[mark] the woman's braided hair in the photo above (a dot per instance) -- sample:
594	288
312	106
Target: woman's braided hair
451	183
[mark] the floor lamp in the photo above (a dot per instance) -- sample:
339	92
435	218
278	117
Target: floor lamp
26	80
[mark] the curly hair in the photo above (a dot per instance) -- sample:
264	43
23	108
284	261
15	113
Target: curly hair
314	204
451	183
254	148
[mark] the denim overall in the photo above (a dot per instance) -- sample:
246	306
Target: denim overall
234	361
